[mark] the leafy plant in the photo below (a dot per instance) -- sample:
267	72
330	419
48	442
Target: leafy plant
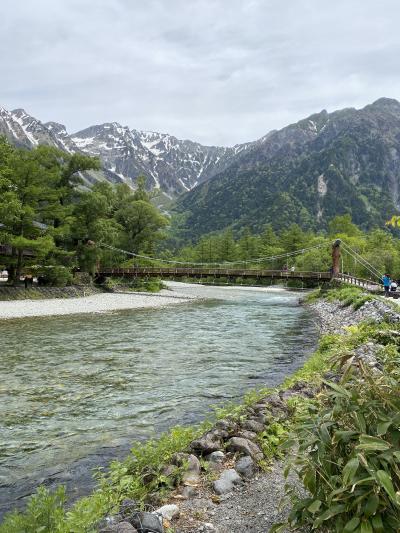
348	454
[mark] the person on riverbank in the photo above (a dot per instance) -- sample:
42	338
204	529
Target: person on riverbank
393	286
386	283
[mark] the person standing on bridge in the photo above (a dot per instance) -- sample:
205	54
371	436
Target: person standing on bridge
386	283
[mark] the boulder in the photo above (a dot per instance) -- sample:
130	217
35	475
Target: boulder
227	481
245	446
245	467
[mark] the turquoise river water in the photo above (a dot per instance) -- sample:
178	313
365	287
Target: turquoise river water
76	390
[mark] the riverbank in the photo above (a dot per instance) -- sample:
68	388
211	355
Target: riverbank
253	504
101	302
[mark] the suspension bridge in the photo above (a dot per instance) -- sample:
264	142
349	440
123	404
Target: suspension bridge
238	269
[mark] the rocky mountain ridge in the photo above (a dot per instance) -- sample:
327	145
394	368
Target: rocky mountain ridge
347	161
170	164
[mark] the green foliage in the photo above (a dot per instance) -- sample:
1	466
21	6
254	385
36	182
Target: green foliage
349	448
56	276
271	440
142	475
45	513
246	247
136	284
46	219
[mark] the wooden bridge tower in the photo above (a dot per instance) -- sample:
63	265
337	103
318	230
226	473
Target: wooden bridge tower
336	257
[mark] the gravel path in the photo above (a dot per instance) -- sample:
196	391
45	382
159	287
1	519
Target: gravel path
251	508
97	303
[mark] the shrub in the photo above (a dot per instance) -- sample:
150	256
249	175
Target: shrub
348	454
57	276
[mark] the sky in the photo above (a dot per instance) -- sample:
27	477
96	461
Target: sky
214	71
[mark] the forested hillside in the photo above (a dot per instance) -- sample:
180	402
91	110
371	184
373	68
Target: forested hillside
328	164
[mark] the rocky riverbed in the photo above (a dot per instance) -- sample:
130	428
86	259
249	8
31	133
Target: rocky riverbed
230	494
95	303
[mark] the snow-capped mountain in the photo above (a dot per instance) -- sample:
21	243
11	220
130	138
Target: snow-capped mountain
173	165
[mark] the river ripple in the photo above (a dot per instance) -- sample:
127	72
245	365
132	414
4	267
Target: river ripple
71	386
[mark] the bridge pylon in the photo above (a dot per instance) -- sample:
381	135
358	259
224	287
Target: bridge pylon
336	252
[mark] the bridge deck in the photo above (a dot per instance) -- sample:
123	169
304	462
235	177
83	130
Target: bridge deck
180	272
174	272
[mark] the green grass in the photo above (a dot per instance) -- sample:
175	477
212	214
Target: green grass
347	295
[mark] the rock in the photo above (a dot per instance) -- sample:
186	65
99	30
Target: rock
189	492
206	444
179	458
147	523
192	474
215	457
259	408
263	419
253	425
250	435
245	446
170	470
168	511
227	481
274	400
245	467
226	425
121	527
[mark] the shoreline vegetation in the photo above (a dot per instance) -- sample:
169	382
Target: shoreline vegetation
339	412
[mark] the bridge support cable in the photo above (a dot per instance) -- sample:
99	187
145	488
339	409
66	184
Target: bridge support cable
366	264
255	260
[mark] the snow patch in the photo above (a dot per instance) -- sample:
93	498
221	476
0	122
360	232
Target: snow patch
20	120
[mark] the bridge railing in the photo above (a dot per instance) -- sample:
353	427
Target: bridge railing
214	272
361	282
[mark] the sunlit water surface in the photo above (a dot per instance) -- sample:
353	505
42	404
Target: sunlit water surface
79	386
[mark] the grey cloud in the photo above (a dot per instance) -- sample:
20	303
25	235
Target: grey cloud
210	70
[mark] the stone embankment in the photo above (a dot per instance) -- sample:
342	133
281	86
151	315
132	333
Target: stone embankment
223	489
8	293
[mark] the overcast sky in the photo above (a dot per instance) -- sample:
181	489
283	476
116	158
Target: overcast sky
214	71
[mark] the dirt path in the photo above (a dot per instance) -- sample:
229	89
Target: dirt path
251	508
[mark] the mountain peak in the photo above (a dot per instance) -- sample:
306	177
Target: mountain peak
386	104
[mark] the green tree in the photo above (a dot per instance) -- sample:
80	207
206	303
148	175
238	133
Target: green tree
342	224
27	200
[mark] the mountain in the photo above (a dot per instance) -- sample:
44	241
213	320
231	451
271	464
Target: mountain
173	165
347	161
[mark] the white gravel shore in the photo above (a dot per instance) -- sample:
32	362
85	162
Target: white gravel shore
97	303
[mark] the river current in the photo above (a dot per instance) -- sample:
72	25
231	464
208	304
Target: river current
77	390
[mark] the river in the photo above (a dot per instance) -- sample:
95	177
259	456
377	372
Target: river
76	390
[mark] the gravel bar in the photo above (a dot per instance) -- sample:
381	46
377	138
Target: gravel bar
97	303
